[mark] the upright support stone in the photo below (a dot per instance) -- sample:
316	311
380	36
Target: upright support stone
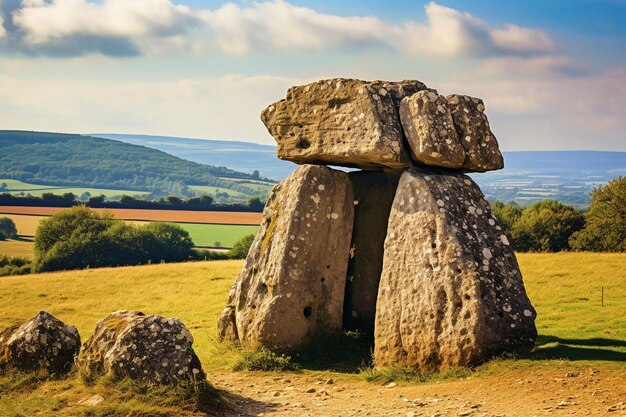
373	195
291	288
451	292
342	122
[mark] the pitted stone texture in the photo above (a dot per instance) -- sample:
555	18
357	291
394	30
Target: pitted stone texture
482	152
451	292
342	122
373	195
291	288
430	130
43	344
150	349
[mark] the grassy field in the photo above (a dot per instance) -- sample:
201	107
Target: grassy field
211	190
17	187
201	234
21	248
209	234
575	330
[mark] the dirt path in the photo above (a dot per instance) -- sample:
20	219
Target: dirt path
534	392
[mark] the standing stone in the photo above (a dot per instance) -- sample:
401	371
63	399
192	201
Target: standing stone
292	285
342	122
42	344
430	130
451	292
373	195
471	123
149	349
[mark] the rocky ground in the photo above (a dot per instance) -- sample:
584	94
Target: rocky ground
532	392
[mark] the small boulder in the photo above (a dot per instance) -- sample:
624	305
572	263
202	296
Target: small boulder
451	292
482	152
291	288
43	344
150	349
430	131
342	122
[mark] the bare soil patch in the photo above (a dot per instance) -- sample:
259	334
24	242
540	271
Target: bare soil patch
560	391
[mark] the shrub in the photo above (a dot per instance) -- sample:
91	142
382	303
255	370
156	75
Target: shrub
14	266
264	360
7	228
507	214
241	247
80	238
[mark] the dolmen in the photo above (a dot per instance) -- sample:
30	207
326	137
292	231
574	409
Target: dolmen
405	248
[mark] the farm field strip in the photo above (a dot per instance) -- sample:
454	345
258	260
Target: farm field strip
202	234
23	249
17	187
176	216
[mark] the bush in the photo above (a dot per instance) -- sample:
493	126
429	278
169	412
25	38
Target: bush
7	228
264	360
605	228
546	227
241	247
79	238
14	266
507	214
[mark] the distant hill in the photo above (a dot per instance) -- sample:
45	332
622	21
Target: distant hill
77	160
529	176
242	156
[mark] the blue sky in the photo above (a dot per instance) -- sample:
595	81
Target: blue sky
552	73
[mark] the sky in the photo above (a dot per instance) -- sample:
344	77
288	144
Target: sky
552	73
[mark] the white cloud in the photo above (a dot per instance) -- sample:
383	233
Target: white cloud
265	26
224	107
45	22
525	67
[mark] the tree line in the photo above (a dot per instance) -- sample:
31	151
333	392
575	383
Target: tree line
550	226
203	202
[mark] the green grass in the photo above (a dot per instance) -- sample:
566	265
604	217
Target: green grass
208	234
211	190
16	187
576	332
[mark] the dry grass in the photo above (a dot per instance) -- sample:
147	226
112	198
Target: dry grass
565	288
20	248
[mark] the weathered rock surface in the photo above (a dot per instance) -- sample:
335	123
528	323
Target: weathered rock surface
292	285
481	146
430	131
451	292
342	122
150	349
373	195
43	343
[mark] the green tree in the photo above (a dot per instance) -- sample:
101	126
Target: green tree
605	227
241	247
80	238
507	214
7	228
546	227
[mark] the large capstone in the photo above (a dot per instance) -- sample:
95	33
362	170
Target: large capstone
342	122
430	131
42	344
451	292
373	195
471	123
291	288
149	349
